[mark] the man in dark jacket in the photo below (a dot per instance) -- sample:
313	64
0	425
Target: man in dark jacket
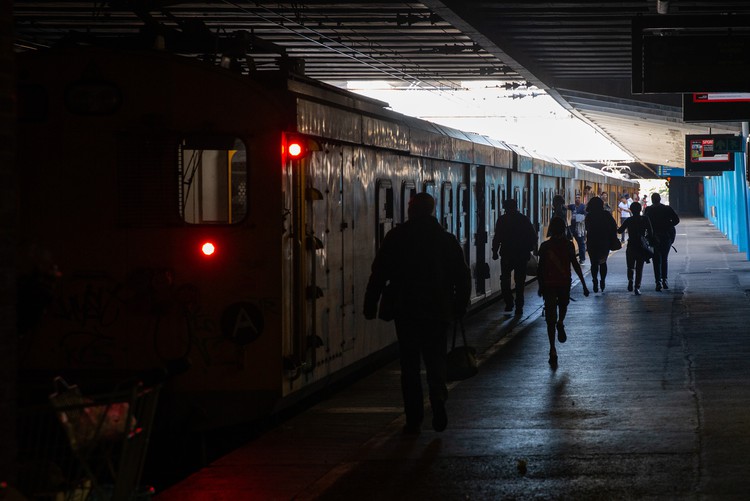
431	285
515	238
663	220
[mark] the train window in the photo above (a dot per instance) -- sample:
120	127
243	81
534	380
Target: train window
447	211
525	201
493	209
213	181
463	213
429	188
408	190
384	204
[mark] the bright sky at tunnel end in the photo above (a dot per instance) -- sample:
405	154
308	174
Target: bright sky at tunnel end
525	117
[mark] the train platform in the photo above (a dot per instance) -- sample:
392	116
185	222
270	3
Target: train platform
651	400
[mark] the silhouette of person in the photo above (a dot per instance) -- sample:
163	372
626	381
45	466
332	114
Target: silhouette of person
515	238
601	230
556	256
663	220
559	210
578	228
638	227
431	284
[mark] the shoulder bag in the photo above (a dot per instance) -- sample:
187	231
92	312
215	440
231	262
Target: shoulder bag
462	360
647	248
532	266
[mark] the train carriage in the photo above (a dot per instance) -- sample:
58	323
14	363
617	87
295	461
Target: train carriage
177	210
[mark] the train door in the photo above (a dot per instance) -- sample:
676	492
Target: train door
546	190
408	190
430	188
447	219
343	221
480	231
519	190
497	180
462	222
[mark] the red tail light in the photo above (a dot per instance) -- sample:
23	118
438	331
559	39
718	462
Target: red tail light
208	249
296	149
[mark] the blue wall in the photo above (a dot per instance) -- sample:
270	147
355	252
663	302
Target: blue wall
726	200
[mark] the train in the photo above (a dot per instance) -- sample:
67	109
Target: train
171	209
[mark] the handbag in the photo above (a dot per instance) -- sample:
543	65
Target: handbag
462	360
646	247
532	266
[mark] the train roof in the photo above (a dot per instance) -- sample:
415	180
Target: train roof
429	138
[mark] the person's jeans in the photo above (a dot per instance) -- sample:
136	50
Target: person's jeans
661	255
515	266
421	339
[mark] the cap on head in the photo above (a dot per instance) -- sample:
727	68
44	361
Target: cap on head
421	204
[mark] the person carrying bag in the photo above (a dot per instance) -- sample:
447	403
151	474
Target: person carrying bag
462	360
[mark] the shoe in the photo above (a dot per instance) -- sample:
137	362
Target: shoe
519	312
637	291
658	287
602	284
439	416
630	286
582	260
664	284
596	286
561	336
553	360
509	307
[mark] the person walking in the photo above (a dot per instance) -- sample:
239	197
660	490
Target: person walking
663	219
638	228
625	213
577	226
601	230
515	238
431	285
556	256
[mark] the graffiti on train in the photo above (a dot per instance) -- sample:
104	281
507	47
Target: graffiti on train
162	317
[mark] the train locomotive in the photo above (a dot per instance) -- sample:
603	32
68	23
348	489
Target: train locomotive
171	210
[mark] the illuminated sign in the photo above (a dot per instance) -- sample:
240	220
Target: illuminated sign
707	154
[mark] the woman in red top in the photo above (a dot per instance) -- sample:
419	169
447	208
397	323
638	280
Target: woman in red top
556	256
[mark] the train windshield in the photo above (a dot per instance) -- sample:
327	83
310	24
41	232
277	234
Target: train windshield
213	180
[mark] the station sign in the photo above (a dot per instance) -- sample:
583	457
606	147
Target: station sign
716	107
664	171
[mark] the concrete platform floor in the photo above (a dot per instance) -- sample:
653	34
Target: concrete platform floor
651	400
